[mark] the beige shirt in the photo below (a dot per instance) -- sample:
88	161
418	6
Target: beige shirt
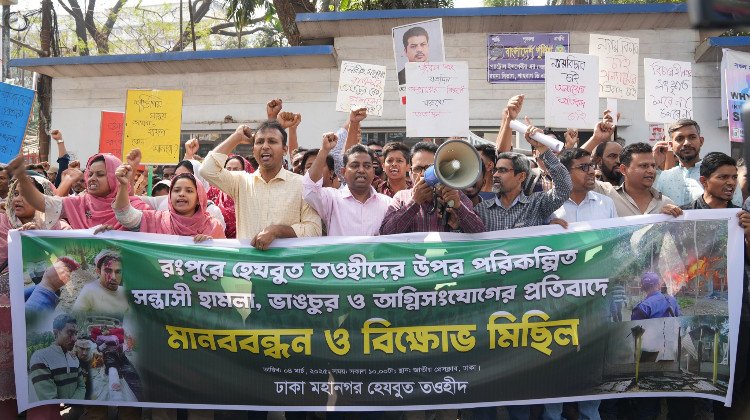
624	203
95	299
260	204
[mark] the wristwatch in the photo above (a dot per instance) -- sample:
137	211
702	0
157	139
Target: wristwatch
60	141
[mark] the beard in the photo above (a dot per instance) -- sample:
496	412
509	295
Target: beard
615	177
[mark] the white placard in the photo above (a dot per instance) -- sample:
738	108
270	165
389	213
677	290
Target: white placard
571	96
438	104
361	85
618	65
669	90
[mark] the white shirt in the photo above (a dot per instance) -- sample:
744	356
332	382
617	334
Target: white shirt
683	185
593	207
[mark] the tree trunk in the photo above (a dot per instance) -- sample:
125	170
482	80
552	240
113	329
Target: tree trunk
287	11
44	83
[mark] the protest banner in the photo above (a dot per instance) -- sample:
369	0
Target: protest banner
735	90
519	57
438	104
570	101
395	322
361	85
153	120
618	65
669	90
15	108
110	133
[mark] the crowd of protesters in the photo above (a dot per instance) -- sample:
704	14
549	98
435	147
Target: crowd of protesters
346	188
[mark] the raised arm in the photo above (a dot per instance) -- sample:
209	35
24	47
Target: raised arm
504	142
213	166
319	164
62	155
354	134
602	133
17	169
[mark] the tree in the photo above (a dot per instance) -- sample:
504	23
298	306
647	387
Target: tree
85	24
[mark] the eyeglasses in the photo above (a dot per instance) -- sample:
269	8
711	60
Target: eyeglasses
419	169
378	152
501	170
585	167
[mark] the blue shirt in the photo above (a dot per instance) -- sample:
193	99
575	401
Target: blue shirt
656	305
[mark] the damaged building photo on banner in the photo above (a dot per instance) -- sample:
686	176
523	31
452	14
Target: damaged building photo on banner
644	306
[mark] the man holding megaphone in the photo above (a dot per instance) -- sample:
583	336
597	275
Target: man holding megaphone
434	207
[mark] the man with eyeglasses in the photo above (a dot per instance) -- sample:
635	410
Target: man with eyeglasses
682	183
584	204
511	208
420	208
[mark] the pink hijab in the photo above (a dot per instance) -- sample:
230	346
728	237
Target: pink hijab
169	222
85	211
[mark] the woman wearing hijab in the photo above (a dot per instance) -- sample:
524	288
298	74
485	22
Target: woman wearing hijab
85	211
223	200
187	215
18	215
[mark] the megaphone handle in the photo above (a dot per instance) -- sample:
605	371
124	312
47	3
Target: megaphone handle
446	216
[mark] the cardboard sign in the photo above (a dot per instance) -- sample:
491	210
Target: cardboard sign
438	104
618	65
15	108
361	85
656	132
152	123
418	42
571	97
669	90
110	133
737	92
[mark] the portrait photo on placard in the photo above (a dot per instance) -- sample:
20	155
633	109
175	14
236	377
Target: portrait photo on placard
417	42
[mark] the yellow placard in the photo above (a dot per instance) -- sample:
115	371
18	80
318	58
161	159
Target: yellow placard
152	123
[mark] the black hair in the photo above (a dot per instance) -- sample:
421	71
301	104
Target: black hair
626	156
373	143
568	155
61	321
682	123
488	151
396	146
314	152
187	165
415	31
713	161
272	125
238	157
358	148
424	146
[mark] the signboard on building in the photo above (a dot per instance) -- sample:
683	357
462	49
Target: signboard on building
519	57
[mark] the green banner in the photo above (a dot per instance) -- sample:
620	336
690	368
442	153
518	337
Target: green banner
642	306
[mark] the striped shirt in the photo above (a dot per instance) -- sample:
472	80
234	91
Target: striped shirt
260	204
404	216
529	210
55	374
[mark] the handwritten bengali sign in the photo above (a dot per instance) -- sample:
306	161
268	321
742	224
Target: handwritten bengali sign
438	104
110	133
519	57
571	97
152	123
361	85
618	65
15	107
669	90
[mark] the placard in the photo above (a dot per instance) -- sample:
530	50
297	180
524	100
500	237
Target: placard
418	42
618	65
361	85
15	108
110	133
669	90
153	120
571	97
656	132
519	57
438	104
737	91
